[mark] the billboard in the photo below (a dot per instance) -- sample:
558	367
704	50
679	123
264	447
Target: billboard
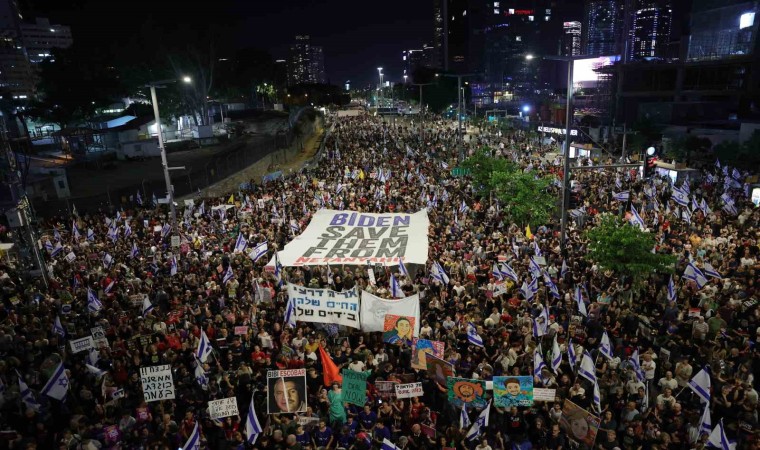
584	70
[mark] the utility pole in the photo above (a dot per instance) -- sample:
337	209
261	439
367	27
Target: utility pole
422	134
459	109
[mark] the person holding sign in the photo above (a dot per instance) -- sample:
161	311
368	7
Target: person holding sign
401	333
337	409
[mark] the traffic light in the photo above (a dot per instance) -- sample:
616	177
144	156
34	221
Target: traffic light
649	162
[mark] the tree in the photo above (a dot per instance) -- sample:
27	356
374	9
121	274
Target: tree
482	166
746	155
684	148
526	197
626	249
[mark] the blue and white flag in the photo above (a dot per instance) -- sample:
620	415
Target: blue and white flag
700	384
165	230
480	423
48	246
710	271
110	286
464	418
605	347
526	291
290	314
636	365
693	273
133	253
579	301
621	196
228	275
200	374
173	266
252	426
564	269
155	200
387	445
587	369
671	290
579	212
58	384
58	327
571	354
240	243
507	271
139	198
538	363
556	355
718	438
278	270
127	230
472	335
597	397
75	230
93	303
496	273
204	347
437	272
463	208
534	268
97	372
257	252
57	249
705	423
402	268
396	291
194	440
147	306
26	395
636	219
56	234
537	249
680	197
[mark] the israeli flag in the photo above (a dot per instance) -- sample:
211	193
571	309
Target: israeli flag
587	369
75	230
228	275
127	230
496	273
730	209
710	271
564	269
680	197
556	355
463	208
538	363
57	385
693	273
165	230
90	235
48	246
605	347
387	445
133	253
621	196
252	426
579	212
56	234
93	303
571	354
736	174
57	249
700	384
526	291
703	206
240	243
597	397
257	252
536	249
402	268
194	440
396	291
438	273
204	347
718	438
26	395
173	266
200	374
636	219
671	290
636	364
147	306
290	314
95	371
705	423
472	335
507	271
482	421
579	301
155	200
139	198
58	327
534	268
464	418
110	286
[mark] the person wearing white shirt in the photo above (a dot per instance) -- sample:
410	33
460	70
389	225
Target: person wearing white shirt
648	366
668	382
357	366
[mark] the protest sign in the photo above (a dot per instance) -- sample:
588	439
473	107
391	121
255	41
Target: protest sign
81	344
499	288
513	391
224	407
286	391
386	389
544	395
398	329
306	421
157	383
99	337
325	305
465	390
408	390
354	386
438	369
347	237
374	310
579	424
422	347
241	330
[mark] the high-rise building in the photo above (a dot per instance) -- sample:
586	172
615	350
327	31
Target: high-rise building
722	29
10	15
40	37
571	38
16	75
438	51
306	63
650	33
603	27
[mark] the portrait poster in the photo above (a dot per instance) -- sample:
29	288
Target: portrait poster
579	424
465	390
438	369
398	330
513	391
422	347
286	391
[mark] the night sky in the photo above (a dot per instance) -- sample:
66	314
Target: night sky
357	36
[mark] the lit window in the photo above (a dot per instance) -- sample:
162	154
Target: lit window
519	38
746	20
496	4
530	18
496	11
511	11
546	18
548	11
464	13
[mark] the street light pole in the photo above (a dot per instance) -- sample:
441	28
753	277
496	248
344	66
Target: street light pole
566	165
380	95
459	110
422	134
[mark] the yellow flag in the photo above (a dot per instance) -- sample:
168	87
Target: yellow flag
231	201
528	234
361	174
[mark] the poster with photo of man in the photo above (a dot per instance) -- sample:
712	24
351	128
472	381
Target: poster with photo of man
286	391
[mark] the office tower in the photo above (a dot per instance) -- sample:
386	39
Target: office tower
437	52
571	38
40	37
306	63
317	65
603	27
722	29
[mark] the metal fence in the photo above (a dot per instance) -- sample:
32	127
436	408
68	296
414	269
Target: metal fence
280	149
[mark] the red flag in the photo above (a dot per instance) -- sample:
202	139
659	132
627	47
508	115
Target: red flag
331	371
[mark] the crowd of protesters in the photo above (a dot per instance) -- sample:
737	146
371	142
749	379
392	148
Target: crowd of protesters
127	260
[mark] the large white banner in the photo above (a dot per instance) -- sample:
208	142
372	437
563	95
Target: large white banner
374	309
347	237
325	305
